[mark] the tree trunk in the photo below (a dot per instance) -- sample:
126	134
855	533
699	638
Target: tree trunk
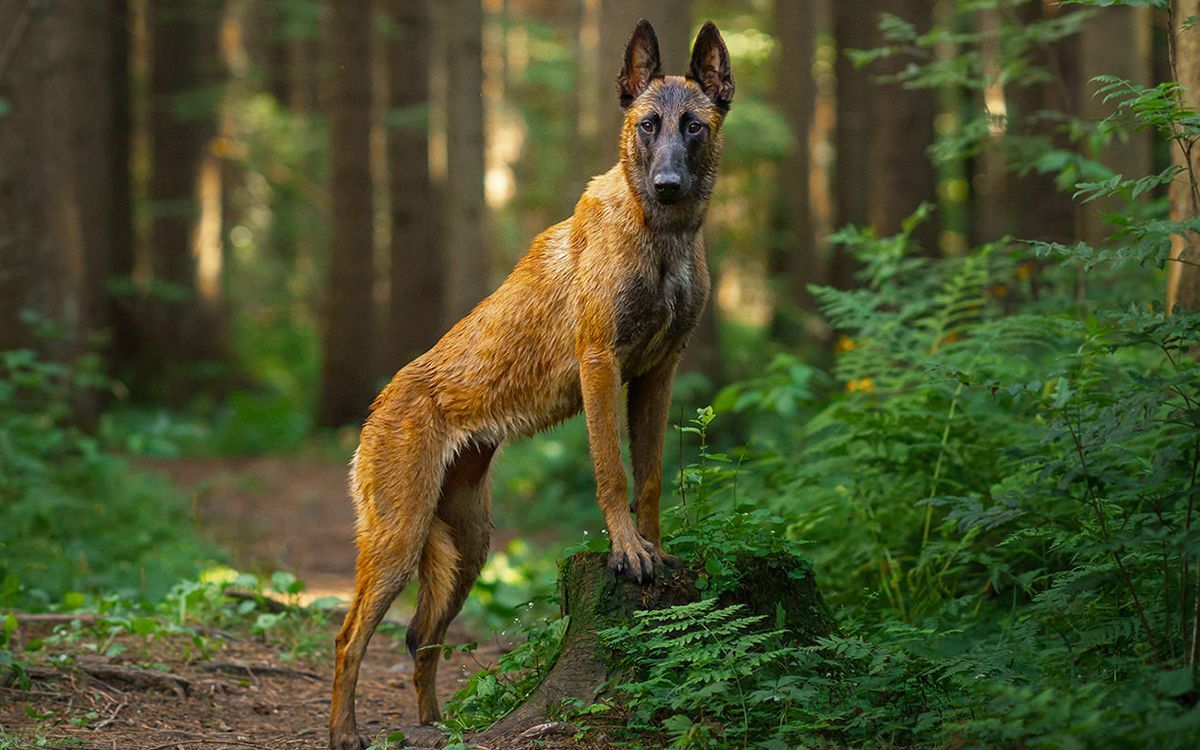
854	27
794	261
1116	41
265	33
466	266
595	599
901	174
56	174
593	95
346	372
416	300
121	299
188	319
1183	281
1042	211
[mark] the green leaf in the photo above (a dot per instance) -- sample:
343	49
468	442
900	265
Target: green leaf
73	600
1176	682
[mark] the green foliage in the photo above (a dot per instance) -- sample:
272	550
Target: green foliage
37	740
698	665
712	526
545	482
74	517
388	741
193	614
12	669
494	691
1021	482
514	585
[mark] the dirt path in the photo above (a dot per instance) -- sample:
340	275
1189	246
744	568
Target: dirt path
271	513
244	695
275	513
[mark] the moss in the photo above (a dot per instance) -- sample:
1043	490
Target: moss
783	588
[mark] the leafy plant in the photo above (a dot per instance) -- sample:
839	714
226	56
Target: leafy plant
74	517
694	665
494	691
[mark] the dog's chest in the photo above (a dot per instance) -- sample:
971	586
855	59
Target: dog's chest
657	307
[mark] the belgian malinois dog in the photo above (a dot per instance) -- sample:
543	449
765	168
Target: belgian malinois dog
609	296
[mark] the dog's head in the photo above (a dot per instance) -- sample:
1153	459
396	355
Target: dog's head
671	141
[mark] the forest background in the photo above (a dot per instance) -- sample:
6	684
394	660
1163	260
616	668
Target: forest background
940	358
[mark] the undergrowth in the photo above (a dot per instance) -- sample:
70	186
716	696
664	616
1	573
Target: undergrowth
194	619
74	516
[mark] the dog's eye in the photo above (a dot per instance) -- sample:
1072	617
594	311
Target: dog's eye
648	125
695	128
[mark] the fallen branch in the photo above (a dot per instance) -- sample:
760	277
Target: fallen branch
258	669
111	717
52	618
144	679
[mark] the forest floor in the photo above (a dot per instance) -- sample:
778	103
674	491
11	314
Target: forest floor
270	513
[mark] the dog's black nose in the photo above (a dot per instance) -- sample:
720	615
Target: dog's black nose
667	187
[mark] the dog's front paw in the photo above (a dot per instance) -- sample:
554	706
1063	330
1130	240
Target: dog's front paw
633	557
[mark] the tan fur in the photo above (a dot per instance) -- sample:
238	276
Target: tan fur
605	297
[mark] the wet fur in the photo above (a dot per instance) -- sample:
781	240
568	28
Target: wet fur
606	297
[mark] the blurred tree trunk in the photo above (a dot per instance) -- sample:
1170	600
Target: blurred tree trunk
266	41
883	170
1183	281
122	318
1042	212
346	373
673	25
703	353
464	254
593	94
188	318
993	212
901	174
1116	41
57	174
301	30
416	300
854	27
794	261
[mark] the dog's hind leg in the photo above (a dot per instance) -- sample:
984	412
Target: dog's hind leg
396	479
456	551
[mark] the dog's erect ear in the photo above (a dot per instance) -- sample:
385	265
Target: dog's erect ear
642	63
710	66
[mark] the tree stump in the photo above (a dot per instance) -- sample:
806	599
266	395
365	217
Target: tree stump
780	587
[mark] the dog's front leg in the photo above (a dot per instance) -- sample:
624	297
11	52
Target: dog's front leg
600	381
649	402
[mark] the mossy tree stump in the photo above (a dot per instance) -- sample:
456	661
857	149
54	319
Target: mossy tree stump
780	587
